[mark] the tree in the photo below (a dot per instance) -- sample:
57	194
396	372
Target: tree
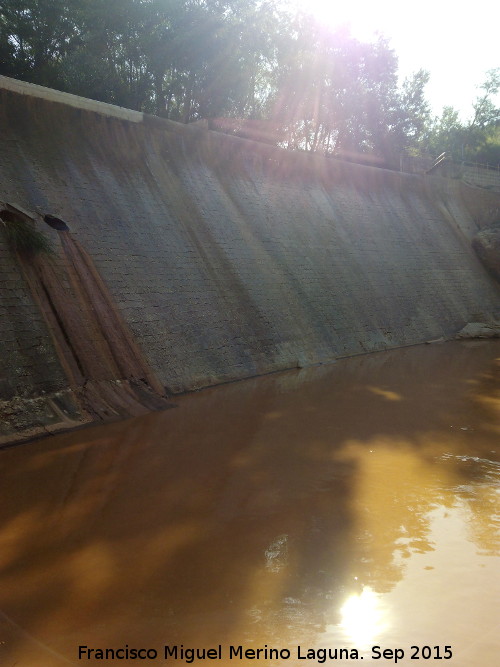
446	134
485	111
408	119
333	92
477	139
36	35
317	89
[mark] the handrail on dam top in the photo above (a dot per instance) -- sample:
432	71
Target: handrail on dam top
476	174
439	160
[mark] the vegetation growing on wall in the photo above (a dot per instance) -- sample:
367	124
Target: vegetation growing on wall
22	236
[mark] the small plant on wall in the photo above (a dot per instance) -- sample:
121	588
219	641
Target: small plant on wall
21	235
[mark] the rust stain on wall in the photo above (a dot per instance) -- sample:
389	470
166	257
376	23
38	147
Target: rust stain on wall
104	366
106	372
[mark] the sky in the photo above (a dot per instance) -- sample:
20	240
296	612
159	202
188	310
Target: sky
456	42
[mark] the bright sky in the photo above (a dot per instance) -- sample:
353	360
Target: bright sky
457	42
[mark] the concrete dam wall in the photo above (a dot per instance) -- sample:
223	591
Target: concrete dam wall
218	258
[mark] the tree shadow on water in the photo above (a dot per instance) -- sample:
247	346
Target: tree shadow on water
247	515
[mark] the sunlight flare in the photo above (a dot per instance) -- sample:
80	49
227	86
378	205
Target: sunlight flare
362	17
363	617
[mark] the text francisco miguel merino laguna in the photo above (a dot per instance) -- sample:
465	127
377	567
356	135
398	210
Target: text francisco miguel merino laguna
231	652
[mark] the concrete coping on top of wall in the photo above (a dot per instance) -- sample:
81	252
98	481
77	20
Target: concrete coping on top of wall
102	108
34	90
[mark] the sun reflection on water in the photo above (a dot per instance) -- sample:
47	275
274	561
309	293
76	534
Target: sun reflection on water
363	617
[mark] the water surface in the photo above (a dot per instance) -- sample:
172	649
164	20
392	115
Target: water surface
345	506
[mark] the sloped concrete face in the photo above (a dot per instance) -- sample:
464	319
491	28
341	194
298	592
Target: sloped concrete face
227	258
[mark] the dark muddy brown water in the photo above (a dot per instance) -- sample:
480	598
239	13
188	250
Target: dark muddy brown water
348	506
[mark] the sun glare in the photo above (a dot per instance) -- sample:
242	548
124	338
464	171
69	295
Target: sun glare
361	16
421	35
363	618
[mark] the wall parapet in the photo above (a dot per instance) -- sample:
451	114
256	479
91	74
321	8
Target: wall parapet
41	92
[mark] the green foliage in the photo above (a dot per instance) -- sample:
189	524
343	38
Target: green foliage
183	59
475	140
22	237
485	111
446	134
410	115
333	92
38	34
488	147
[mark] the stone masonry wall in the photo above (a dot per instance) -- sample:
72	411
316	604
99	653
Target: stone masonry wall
228	258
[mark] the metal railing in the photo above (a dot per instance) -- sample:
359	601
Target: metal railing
439	160
417	155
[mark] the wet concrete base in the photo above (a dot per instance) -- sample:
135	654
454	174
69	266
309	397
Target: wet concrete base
95	401
334	508
23	418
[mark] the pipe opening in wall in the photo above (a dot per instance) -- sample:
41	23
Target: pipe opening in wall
56	223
